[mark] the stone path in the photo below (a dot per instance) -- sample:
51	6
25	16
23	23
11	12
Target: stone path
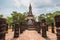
30	35
51	36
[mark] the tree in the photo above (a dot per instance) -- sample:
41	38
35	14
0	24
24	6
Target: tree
40	17
1	16
18	17
9	21
15	18
48	17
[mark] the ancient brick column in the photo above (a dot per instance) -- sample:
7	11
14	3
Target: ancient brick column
38	27
58	33
22	27
2	28
57	23
52	24
6	28
16	31
47	28
2	31
43	25
13	26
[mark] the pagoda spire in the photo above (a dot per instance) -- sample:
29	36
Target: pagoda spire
30	10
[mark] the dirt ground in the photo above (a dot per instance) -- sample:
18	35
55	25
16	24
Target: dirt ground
30	35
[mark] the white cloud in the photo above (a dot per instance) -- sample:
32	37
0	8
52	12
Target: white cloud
41	2
39	6
47	1
57	7
50	6
26	2
17	3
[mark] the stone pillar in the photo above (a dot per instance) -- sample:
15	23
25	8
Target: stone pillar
21	28
57	23
6	28
16	31
52	24
38	27
58	33
2	31
43	24
47	28
13	26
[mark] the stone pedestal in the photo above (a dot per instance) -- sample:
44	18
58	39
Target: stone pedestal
16	31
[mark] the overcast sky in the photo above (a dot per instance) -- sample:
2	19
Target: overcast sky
38	6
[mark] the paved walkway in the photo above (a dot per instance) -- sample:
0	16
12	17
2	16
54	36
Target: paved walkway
51	36
30	35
